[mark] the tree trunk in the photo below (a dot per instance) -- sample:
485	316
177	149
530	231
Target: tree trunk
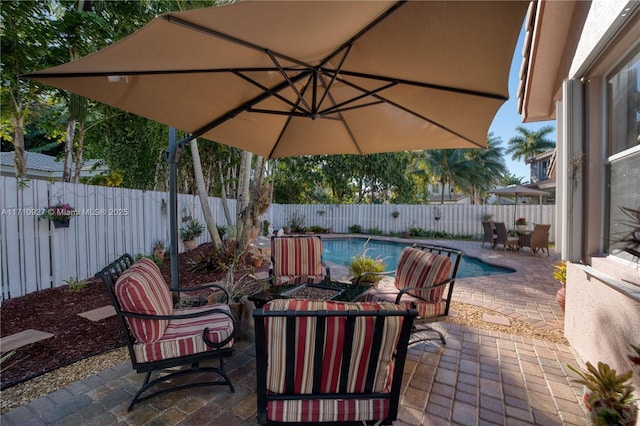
225	204
243	217
20	159
81	130
203	194
68	149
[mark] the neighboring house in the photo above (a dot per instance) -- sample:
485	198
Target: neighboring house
450	196
582	68
41	166
543	173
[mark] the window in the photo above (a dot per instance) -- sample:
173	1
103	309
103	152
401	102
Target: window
623	165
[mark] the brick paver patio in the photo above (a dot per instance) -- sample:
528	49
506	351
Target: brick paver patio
480	377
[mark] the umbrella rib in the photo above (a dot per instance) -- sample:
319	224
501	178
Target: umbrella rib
407	110
426	85
337	107
328	86
266	89
286	77
235	111
362	32
172	19
348	129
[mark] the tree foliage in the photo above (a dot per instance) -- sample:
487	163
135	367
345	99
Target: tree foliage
530	142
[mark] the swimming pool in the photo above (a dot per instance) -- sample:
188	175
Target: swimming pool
340	250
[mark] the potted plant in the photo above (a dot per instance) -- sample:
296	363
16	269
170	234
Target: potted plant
60	214
608	397
560	274
360	264
521	224
159	249
189	233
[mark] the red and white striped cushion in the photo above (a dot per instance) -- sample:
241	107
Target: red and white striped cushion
334	344
419	268
184	336
297	256
328	410
389	293
141	289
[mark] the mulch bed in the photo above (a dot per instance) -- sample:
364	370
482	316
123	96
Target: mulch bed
55	311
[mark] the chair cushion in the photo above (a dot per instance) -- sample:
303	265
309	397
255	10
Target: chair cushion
419	268
327	410
184	336
297	256
334	344
389	293
334	348
141	289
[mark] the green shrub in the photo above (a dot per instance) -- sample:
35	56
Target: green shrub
317	229
356	229
374	231
74	284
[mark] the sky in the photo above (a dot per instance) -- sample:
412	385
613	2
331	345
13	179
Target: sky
507	118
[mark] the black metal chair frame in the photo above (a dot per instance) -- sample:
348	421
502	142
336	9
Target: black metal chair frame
421	324
110	275
272	278
261	360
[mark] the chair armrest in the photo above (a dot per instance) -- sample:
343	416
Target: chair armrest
364	274
205	331
203	287
170	317
422	289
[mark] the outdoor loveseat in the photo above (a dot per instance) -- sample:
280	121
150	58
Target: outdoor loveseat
321	362
160	337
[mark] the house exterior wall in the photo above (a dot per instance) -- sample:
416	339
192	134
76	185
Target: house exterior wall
603	292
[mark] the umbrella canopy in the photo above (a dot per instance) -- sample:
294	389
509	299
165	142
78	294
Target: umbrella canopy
282	79
372	76
519	191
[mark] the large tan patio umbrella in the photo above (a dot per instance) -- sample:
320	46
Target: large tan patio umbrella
519	191
297	78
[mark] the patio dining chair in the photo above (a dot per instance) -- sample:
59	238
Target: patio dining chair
538	239
424	279
502	237
160	337
297	259
489	233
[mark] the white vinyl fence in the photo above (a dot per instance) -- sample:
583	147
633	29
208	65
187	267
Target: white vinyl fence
112	221
455	219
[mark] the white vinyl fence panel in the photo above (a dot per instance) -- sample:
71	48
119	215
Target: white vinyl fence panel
112	221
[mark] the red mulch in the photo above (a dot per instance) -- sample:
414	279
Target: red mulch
55	311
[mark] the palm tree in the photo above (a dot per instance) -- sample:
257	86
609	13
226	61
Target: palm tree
530	142
486	169
448	166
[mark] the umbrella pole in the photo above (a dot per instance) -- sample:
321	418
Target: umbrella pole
172	157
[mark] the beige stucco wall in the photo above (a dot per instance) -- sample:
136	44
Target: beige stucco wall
601	321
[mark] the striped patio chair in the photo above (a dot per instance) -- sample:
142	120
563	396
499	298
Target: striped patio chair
325	362
424	280
161	337
297	259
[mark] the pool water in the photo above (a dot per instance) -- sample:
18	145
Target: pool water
341	250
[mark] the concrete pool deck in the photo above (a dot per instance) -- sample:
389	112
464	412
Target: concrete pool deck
480	377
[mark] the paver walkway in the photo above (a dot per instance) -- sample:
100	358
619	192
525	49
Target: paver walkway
480	377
